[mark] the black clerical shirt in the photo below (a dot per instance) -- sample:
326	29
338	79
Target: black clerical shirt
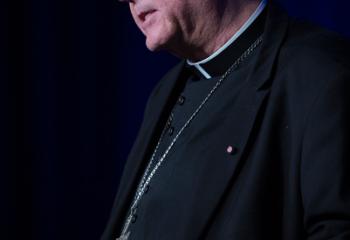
164	193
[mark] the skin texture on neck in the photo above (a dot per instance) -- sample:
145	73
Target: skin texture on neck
211	34
191	29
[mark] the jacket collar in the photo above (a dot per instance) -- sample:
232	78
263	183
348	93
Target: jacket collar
275	32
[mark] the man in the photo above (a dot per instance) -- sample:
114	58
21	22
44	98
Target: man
247	137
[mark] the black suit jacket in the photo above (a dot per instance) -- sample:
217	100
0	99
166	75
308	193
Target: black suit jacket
289	176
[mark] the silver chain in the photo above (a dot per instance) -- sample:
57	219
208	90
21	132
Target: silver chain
146	179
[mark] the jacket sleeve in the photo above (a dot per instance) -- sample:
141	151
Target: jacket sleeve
325	162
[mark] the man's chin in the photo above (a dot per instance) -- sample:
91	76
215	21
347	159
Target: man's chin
158	42
154	45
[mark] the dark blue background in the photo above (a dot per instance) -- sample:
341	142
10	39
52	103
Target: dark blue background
75	76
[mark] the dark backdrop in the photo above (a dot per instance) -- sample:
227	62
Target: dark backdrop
74	79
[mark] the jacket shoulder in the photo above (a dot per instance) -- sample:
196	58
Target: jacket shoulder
312	62
311	57
315	48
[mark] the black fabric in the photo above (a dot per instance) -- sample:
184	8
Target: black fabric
175	171
195	90
165	183
288	177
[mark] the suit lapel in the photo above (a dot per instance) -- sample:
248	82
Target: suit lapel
145	142
234	123
247	108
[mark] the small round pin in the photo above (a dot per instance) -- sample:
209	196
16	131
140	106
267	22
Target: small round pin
230	149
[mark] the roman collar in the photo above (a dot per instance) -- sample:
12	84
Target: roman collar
218	62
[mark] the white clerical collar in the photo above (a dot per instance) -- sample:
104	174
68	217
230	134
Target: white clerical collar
250	20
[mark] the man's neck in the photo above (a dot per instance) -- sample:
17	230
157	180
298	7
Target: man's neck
234	15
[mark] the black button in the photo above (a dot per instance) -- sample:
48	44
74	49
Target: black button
181	100
171	131
133	218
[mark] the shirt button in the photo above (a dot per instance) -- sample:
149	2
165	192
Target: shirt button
171	131
181	100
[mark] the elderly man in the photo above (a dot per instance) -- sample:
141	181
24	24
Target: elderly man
248	137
